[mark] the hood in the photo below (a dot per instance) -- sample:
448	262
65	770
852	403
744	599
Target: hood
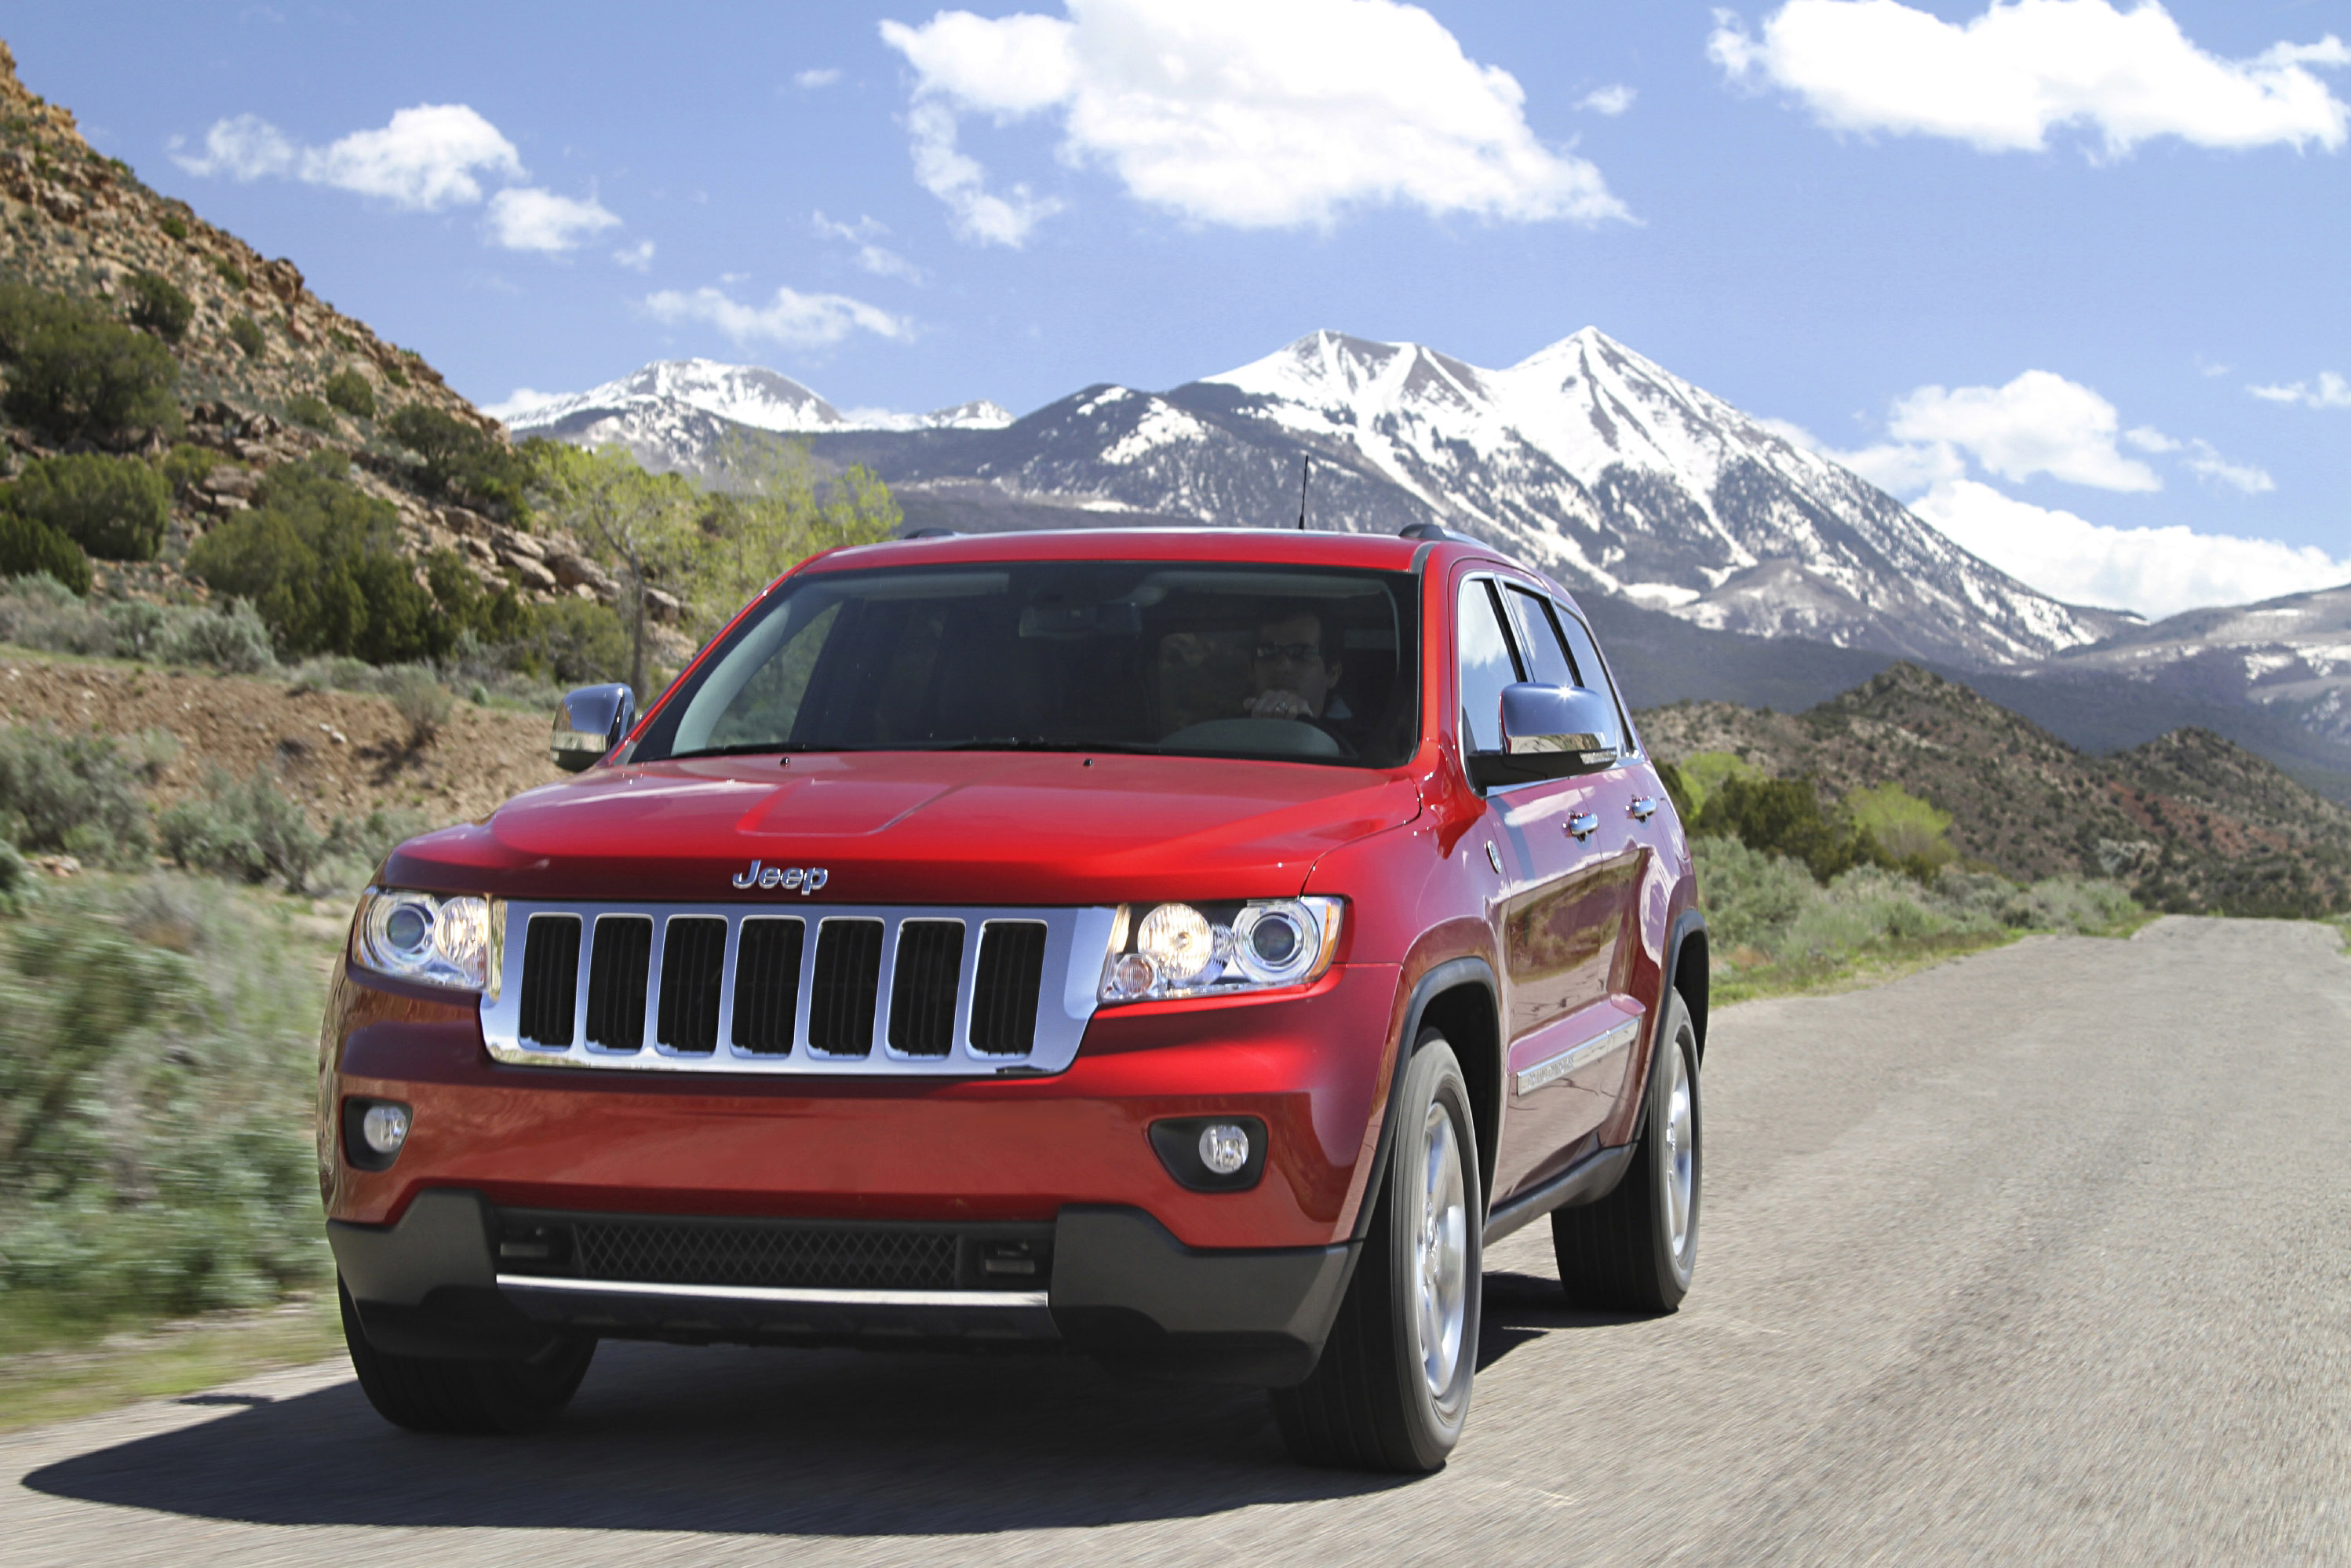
967	829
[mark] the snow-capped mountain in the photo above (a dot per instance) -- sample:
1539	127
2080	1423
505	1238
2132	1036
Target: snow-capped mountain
1584	458
674	413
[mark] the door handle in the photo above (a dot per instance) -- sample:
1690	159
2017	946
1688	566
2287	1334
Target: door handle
1644	807
1584	825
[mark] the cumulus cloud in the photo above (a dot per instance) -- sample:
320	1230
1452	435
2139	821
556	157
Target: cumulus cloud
1251	113
523	401
817	77
2038	424
246	148
2329	391
2207	463
1611	100
2155	571
522	217
871	256
791	319
637	258
2005	79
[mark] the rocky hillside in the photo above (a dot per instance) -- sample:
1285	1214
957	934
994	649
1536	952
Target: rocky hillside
76	223
2191	821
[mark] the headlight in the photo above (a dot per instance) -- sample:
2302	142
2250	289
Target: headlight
1159	951
456	942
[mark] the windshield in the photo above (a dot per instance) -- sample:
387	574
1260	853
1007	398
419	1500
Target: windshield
1304	664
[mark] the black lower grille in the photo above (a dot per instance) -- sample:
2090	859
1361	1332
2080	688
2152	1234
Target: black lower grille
1004	993
550	979
767	984
694	956
616	981
666	1252
844	989
923	986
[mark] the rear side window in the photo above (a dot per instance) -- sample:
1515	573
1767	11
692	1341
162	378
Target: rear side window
1539	637
1594	673
1487	666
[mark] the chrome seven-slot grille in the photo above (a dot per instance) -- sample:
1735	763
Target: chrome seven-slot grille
764	988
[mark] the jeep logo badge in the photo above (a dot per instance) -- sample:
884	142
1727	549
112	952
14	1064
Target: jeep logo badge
807	879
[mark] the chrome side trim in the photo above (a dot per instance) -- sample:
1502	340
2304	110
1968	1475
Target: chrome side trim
1002	1299
1557	1067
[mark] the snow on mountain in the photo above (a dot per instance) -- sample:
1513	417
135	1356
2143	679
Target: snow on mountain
674	413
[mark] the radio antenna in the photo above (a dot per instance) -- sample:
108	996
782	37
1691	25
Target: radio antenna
1305	475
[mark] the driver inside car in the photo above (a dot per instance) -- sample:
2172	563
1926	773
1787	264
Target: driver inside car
1293	675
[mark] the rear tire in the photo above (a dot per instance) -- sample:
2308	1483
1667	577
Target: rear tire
1634	1250
1392	1389
465	1398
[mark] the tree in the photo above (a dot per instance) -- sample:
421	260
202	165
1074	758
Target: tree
640	525
159	306
76	377
765	516
455	458
114	507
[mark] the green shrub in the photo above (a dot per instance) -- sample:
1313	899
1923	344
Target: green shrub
234	639
349	390
356	846
27	547
1910	830
572	642
1700	776
247	828
175	225
155	1074
26	311
186	467
456	459
159	307
18	886
78	791
1783	816
114	507
422	704
303	409
246	334
232	275
319	558
79	379
39	612
1752	897
396	376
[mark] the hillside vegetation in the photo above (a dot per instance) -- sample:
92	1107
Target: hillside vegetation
2189	823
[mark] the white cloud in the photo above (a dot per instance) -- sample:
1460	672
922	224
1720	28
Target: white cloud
2038	424
520	401
522	217
1611	100
426	158
872	258
2156	571
791	319
2330	390
245	148
817	77
2207	464
2147	438
637	258
2002	81
1252	113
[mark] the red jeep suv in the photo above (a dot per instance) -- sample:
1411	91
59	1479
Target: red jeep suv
1184	948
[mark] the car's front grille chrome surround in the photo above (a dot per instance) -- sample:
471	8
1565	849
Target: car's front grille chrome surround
812	989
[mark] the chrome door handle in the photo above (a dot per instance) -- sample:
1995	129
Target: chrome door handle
1644	807
1584	825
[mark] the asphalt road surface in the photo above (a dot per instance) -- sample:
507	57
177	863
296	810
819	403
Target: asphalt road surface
2035	1257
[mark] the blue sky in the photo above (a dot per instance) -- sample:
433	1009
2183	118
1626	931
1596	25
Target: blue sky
2068	275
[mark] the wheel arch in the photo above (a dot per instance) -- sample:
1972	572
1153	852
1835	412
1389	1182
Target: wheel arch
1461	998
1688	970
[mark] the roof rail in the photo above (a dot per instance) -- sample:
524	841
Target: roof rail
1436	532
933	534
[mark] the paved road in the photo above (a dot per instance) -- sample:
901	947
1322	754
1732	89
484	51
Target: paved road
2039	1256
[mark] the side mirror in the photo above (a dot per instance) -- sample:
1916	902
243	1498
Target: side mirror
1548	732
590	723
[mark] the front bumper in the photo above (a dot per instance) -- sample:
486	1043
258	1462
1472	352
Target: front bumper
1111	1282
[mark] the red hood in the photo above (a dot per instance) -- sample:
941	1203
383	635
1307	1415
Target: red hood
918	828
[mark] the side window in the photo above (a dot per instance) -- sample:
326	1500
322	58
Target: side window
1595	674
1539	635
1487	666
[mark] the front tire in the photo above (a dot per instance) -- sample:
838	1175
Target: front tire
465	1398
1635	1249
1392	1389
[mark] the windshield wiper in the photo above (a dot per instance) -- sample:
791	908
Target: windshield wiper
757	747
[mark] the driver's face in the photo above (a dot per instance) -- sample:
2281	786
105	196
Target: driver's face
1289	659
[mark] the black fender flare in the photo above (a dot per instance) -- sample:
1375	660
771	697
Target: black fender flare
1449	975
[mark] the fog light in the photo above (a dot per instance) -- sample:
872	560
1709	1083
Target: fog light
1132	976
1224	1147
385	1127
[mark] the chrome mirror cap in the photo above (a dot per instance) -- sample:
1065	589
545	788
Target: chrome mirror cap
1548	732
588	723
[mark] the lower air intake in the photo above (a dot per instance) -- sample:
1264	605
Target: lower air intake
666	1252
